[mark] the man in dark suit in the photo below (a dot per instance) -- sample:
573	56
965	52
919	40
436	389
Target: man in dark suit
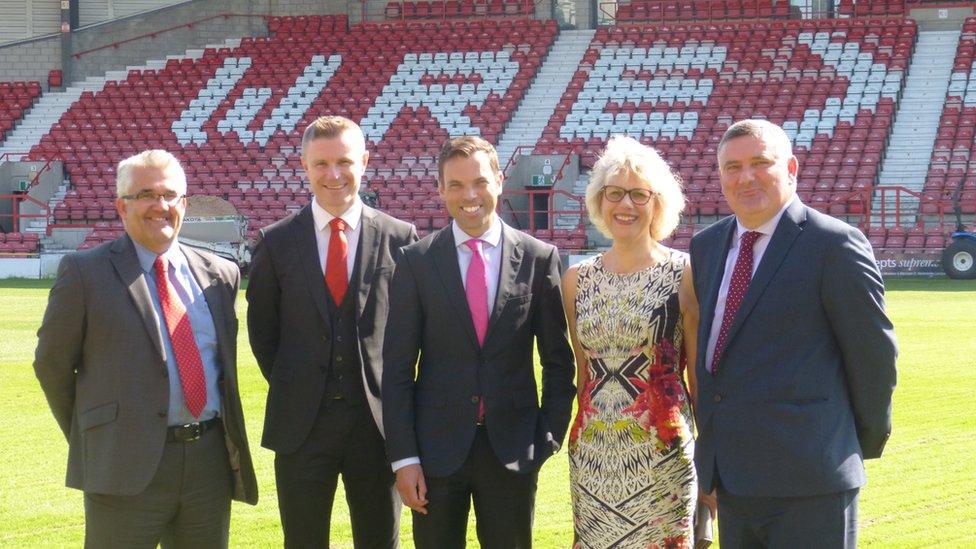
137	355
465	422
316	318
796	357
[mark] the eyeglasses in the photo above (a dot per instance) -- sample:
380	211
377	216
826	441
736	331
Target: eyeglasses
149	197
638	196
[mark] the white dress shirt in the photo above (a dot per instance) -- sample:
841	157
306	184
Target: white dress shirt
758	249
491	251
323	232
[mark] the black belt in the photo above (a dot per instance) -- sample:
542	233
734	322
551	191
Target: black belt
190	432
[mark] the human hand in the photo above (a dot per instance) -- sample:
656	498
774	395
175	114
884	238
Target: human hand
412	487
708	500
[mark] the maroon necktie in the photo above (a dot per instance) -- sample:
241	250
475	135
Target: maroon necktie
741	275
336	272
188	361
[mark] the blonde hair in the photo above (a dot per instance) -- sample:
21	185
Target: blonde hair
627	155
156	158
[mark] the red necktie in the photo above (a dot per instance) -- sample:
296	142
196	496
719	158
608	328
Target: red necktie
336	272
185	350
741	275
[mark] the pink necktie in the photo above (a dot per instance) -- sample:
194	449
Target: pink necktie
188	361
476	289
741	275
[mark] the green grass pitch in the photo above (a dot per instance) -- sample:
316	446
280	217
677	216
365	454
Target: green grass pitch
920	494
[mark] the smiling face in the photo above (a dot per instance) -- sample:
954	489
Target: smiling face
470	189
624	219
335	167
153	224
758	178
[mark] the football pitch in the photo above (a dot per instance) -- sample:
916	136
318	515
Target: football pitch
920	494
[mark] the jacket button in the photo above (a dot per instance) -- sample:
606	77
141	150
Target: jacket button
474	400
339	339
717	398
161	414
339	359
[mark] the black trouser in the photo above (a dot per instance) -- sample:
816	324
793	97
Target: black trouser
344	441
503	504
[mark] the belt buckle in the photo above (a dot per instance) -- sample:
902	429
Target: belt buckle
189	432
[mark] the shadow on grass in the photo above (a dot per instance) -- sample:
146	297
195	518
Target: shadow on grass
928	284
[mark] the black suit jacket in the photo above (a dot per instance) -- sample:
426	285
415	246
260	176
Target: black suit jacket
803	389
432	406
288	318
101	362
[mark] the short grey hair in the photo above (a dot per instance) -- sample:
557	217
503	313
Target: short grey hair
156	158
763	130
627	155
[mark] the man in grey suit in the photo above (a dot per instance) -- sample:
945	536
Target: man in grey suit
796	357
465	422
137	355
316	318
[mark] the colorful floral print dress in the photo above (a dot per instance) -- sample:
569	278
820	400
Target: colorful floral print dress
631	448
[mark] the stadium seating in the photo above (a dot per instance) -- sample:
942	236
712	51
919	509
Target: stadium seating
950	166
832	84
234	115
18	243
700	10
15	98
440	9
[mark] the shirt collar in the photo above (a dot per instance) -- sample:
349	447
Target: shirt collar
148	257
492	237
768	227
352	216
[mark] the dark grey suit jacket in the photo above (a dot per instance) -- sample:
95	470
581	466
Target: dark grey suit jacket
100	360
289	324
803	390
431	408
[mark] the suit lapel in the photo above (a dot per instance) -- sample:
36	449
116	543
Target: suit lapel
209	281
369	242
511	260
783	237
126	263
713	281
303	234
446	262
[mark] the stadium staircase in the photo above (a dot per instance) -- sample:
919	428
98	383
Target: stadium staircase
916	124
539	104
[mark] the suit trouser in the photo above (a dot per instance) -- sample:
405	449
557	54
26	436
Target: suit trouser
344	441
186	505
823	521
504	502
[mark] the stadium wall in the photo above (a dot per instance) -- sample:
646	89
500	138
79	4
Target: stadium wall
30	59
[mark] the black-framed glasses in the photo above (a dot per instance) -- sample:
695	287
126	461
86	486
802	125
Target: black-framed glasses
638	196
150	197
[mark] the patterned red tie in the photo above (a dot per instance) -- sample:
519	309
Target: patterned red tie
336	272
185	350
741	275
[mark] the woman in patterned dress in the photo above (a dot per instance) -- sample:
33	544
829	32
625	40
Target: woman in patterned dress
633	322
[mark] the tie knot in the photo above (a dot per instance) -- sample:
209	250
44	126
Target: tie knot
474	244
161	265
750	238
337	224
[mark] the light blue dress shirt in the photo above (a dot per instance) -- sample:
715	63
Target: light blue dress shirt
204	332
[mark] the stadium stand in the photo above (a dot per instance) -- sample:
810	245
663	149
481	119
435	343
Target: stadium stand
235	113
951	168
700	10
437	9
15	98
833	85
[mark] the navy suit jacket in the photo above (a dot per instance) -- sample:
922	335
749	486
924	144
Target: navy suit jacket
431	406
802	392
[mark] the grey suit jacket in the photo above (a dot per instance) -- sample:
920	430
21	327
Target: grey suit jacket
432	407
803	389
100	361
289	324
